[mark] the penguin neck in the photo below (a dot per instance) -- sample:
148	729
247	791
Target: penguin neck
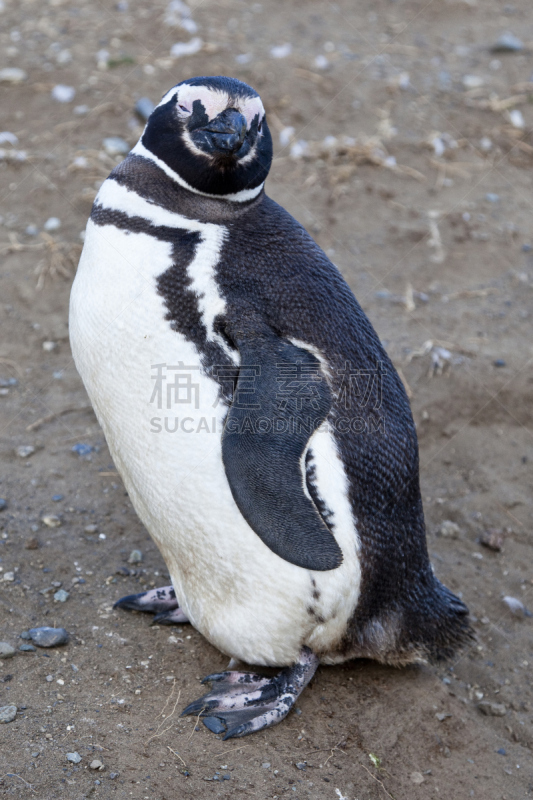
244	196
149	180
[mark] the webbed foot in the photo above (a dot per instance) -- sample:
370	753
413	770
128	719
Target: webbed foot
240	703
161	601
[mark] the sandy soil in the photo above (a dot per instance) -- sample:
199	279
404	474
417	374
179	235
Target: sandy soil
428	215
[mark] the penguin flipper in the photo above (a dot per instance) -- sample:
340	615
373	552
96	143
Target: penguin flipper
281	397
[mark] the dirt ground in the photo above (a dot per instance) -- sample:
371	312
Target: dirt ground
426	209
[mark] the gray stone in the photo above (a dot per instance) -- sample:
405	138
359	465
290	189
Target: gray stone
6	651
12	75
115	146
25	450
449	530
143	108
61	596
27	648
492	709
135	557
48	637
507	43
8	713
74	757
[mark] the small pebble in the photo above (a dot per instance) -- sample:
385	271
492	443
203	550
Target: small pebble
114	775
472	81
281	50
63	94
74	757
49	346
493	539
90	528
96	764
3	503
516	607
449	530
32	543
57	498
31	230
115	146
8	713
9	577
266	765
516	118
51	521
492	709
12	75
502	751
52	224
135	557
25	635
122	571
82	449
507	43
492	198
499	362
61	596
301	765
6	137
143	108
417	777
48	637
27	648
25	450
80	111
186	48
6	651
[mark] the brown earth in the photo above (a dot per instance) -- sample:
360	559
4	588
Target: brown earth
460	278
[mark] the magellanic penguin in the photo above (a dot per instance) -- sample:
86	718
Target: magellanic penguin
261	431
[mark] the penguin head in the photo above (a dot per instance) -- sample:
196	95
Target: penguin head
213	134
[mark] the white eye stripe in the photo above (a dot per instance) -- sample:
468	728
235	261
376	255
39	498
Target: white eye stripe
215	101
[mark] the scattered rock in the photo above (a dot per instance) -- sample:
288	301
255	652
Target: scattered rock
96	764
122	570
25	635
449	530
135	557
48	637
27	648
493	539
186	48
32	543
417	777
61	596
301	765
442	715
490	197
516	118
3	503
6	137
516	607
51	521
63	94
82	449
499	362
52	224
507	43
90	528
49	346
8	713
9	577
492	709
143	108
6	651
281	50
74	757
472	81
115	146
12	75
25	450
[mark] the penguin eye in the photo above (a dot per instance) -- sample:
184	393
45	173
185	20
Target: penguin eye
184	109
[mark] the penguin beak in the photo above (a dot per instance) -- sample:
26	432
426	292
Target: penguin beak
226	132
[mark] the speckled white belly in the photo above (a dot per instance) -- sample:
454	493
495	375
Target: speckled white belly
247	601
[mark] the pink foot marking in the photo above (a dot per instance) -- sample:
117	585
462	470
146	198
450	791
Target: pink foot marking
243	702
161	601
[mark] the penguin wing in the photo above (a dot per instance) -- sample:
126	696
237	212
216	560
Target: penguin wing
280	398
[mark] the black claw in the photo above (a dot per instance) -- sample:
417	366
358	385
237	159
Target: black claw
216	676
130	602
163	618
199	707
235	733
215	724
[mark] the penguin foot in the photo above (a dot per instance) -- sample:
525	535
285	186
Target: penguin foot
240	703
161	601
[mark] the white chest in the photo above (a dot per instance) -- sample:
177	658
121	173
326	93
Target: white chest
162	420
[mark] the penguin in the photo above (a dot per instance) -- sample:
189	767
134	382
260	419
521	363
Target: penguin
261	431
